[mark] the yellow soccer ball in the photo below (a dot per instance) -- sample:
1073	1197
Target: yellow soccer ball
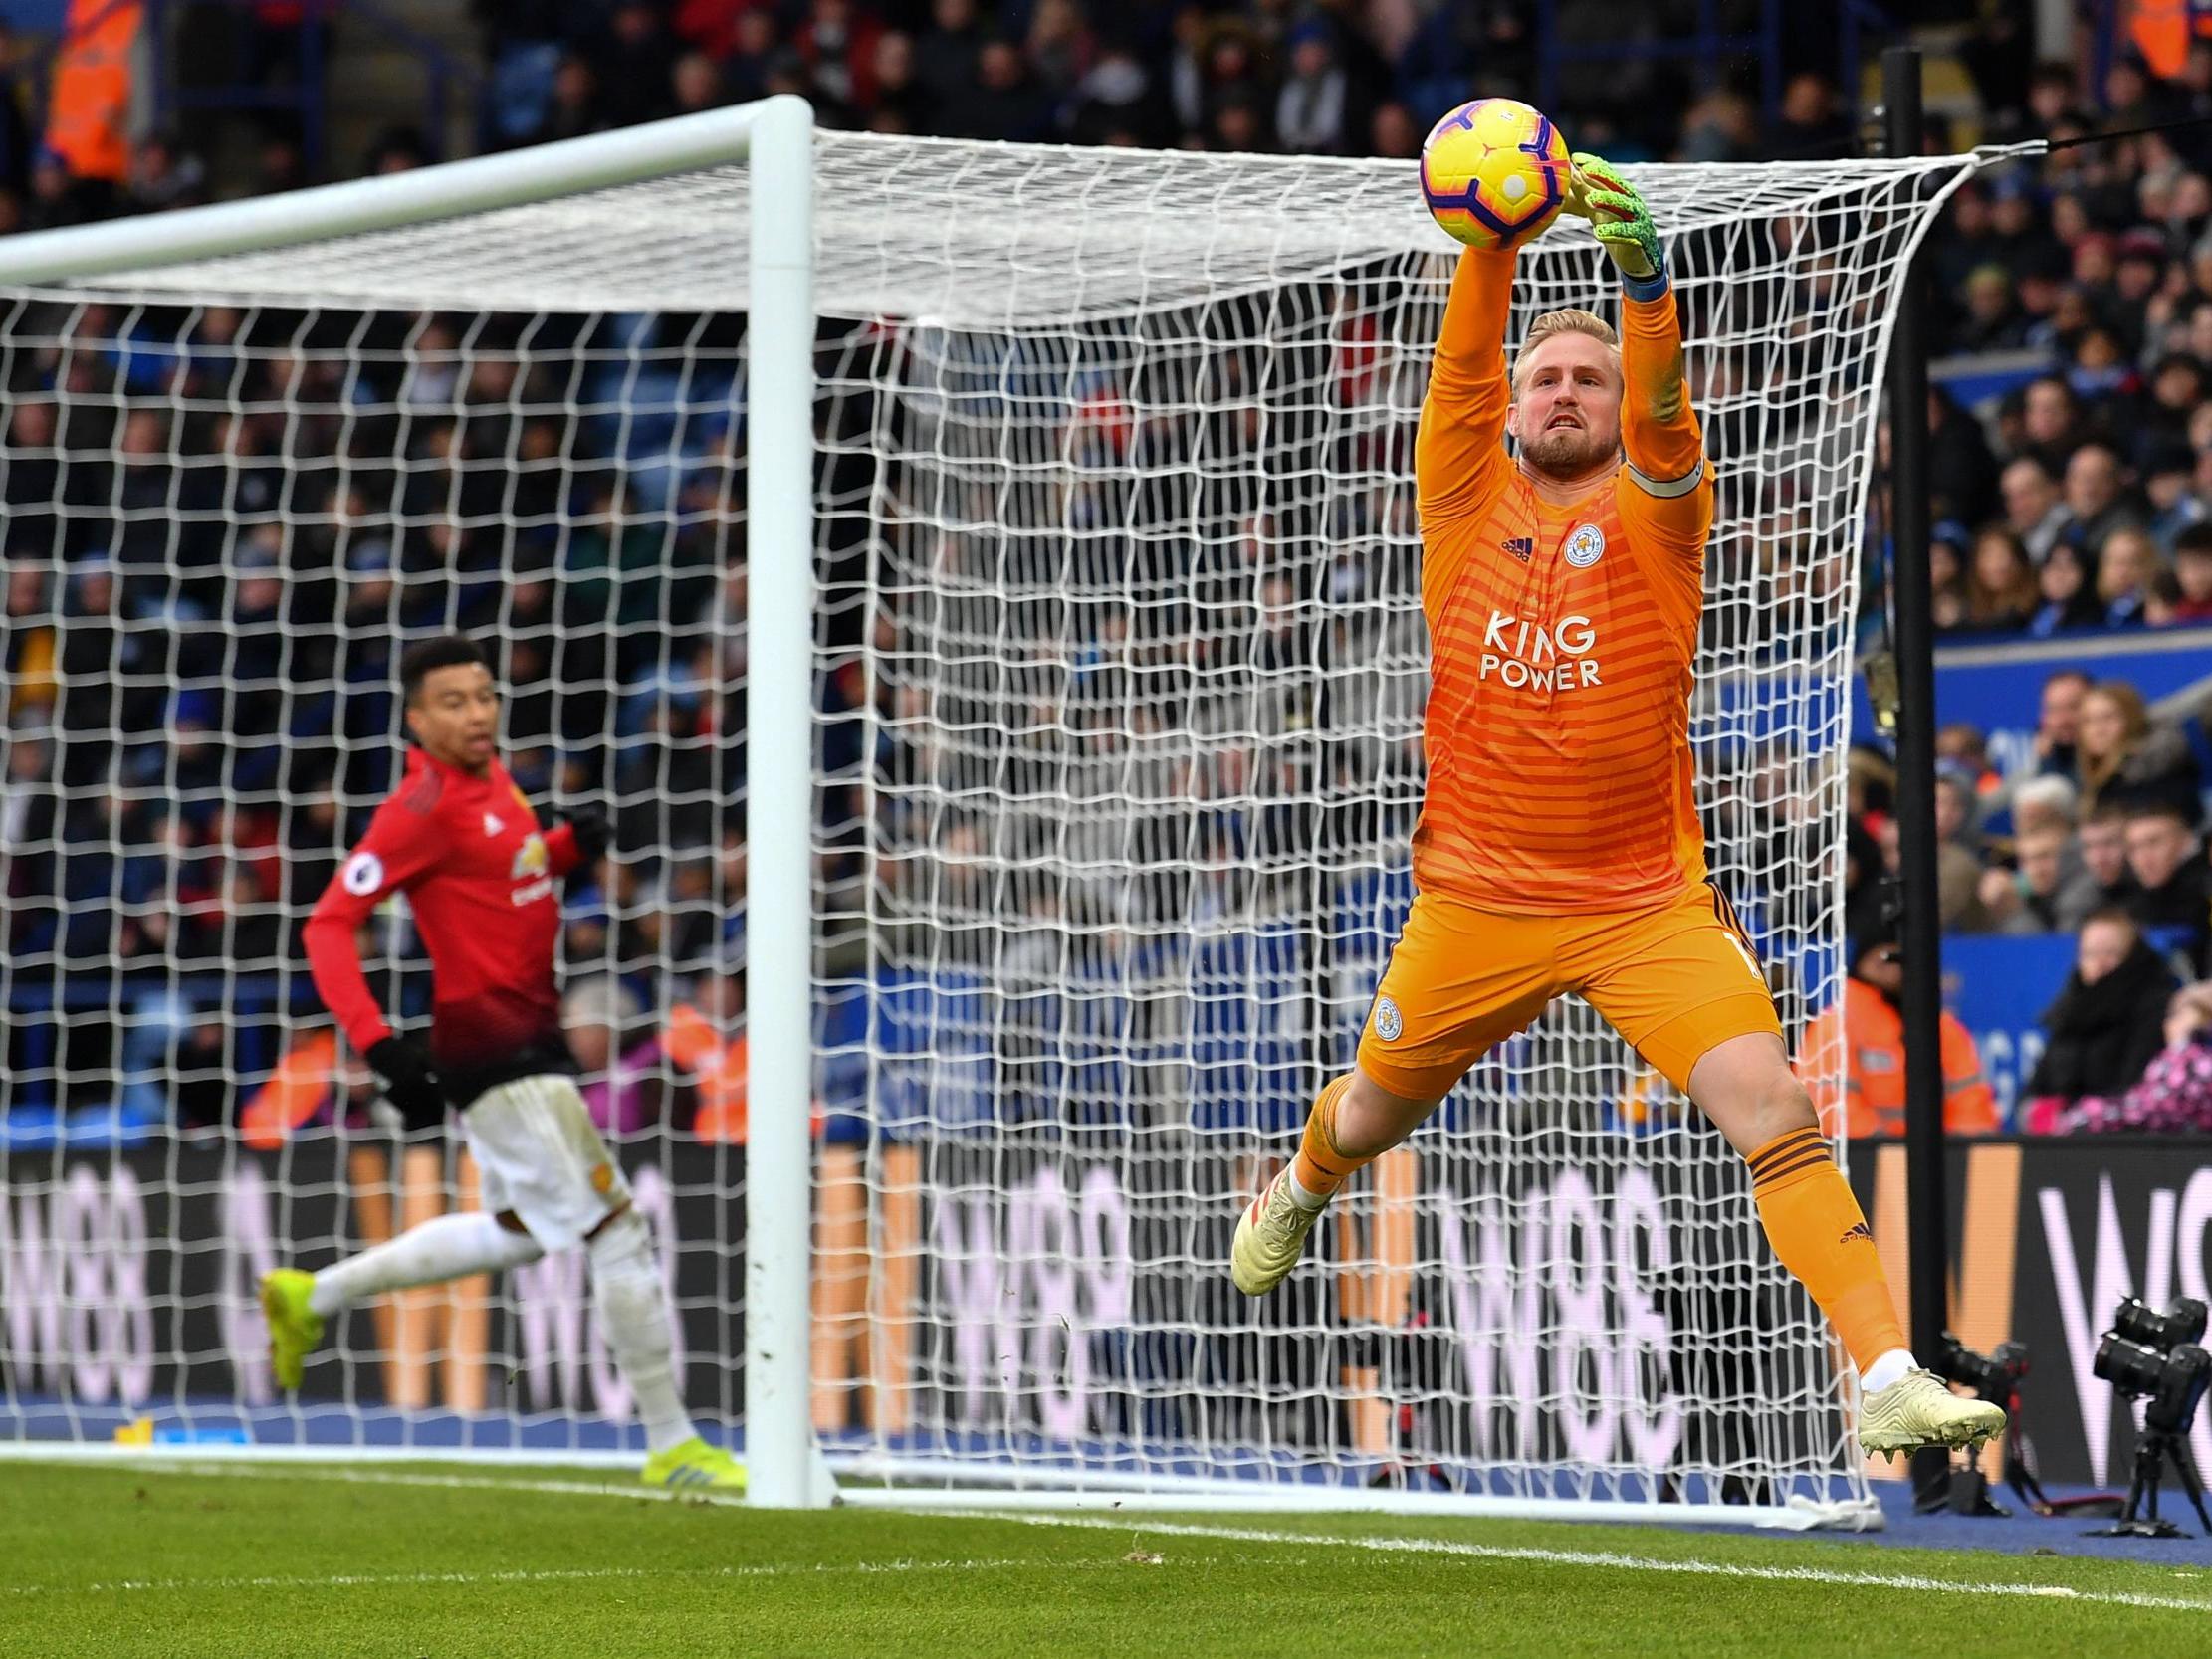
1495	172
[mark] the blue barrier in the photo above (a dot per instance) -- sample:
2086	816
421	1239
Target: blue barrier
1998	986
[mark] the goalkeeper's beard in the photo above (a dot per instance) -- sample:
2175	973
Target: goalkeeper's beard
1567	454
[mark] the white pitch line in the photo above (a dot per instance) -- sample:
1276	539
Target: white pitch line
530	1576
1606	1560
1383	1542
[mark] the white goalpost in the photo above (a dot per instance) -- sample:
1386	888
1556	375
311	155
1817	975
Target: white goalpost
1001	651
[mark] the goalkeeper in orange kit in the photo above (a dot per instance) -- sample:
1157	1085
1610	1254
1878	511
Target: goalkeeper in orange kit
1558	847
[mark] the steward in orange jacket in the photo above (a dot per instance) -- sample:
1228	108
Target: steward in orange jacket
1869	1025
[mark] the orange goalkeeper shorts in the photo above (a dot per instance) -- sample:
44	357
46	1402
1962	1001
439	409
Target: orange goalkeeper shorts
1674	981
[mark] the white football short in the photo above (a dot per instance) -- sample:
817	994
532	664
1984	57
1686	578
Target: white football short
539	1153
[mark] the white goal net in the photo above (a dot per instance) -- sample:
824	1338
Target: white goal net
1118	668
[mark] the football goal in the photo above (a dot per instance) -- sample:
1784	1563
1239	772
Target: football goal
982	582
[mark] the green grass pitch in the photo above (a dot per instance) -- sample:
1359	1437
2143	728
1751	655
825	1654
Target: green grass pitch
174	1558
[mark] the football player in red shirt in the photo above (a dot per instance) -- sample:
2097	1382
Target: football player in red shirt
459	839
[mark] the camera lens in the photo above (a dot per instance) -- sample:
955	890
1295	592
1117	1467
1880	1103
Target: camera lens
2182	1321
2132	1369
1992	1376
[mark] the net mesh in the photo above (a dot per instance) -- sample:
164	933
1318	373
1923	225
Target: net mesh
1120	668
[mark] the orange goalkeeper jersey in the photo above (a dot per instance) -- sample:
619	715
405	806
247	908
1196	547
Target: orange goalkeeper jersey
1560	634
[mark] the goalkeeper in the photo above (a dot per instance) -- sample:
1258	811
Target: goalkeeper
1559	848
459	839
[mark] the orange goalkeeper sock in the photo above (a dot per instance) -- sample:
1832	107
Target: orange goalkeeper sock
1818	1229
1319	1169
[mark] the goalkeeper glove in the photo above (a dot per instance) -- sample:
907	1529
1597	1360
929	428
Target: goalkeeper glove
410	1081
590	826
1616	215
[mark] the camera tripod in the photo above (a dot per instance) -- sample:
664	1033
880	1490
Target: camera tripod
2152	1448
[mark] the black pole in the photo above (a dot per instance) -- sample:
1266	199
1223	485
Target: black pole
1921	937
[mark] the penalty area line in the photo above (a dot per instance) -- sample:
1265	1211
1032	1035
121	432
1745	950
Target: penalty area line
1602	1558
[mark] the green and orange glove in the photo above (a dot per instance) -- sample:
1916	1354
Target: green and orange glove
1621	221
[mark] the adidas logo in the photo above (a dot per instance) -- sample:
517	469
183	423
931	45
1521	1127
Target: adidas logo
1859	1229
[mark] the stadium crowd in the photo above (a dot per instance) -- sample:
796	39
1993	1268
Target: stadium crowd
268	552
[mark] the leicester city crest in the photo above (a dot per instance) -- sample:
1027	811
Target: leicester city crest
1586	546
1388	1022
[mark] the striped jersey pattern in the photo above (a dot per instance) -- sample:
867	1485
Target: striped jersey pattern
1562	633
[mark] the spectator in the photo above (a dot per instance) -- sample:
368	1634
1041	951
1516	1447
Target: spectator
2065	594
947	54
2177	386
1392	132
2035	510
2173	898
705	1040
2102	374
2174	1096
1310	107
2168	475
2058	719
1961	748
1185	66
2107	1021
2163	601
1868	1023
1993	320
1958	865
574	108
2024	899
698	84
635	56
1236	127
901	105
1811	127
2001	591
2132	96
2045	801
2159	770
1122	103
621	1081
838	43
163	177
2050	425
1947	576
2095	505
2117	756
2192	573
397	149
1006	104
1722	126
60	199
2125	575
1060	48
2105	883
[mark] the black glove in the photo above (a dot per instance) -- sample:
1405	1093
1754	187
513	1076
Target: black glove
590	826
410	1081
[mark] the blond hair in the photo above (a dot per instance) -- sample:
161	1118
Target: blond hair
1565	322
